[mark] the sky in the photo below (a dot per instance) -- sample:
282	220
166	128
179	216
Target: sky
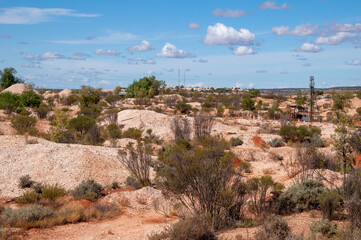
243	43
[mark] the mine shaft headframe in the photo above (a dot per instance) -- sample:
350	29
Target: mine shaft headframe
312	82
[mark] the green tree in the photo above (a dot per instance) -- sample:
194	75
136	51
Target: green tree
248	104
145	87
59	128
8	78
81	123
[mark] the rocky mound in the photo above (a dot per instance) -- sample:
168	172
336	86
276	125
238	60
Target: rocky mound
51	163
66	92
18	88
146	119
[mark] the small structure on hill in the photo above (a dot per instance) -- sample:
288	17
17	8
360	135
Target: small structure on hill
309	112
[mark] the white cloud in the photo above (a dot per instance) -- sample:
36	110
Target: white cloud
171	51
239	85
219	34
28	15
31	65
344	27
355	62
251	85
228	12
80	56
193	25
5	36
261	71
54	55
22	42
144	46
111	38
202	60
273	5
45	56
106	52
150	61
151	72
138	60
300	30
200	84
307	65
309	47
338	38
243	50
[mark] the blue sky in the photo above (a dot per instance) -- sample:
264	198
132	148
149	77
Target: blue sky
253	43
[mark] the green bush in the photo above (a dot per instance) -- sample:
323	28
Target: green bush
323	228
89	190
42	110
301	197
276	142
9	101
23	124
358	94
72	99
112	98
92	111
132	182
236	141
258	188
330	202
183	107
25	181
33	213
28	197
134	133
114	131
81	124
248	104
89	96
274	228
30	99
52	192
293	133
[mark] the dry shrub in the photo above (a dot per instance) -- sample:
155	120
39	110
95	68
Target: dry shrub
124	202
141	199
181	129
192	228
203	124
267	128
274	228
309	163
138	161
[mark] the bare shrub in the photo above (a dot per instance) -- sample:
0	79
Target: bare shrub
203	179
309	163
274	228
138	161
267	129
181	128
203	124
330	202
192	228
258	190
25	181
352	195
